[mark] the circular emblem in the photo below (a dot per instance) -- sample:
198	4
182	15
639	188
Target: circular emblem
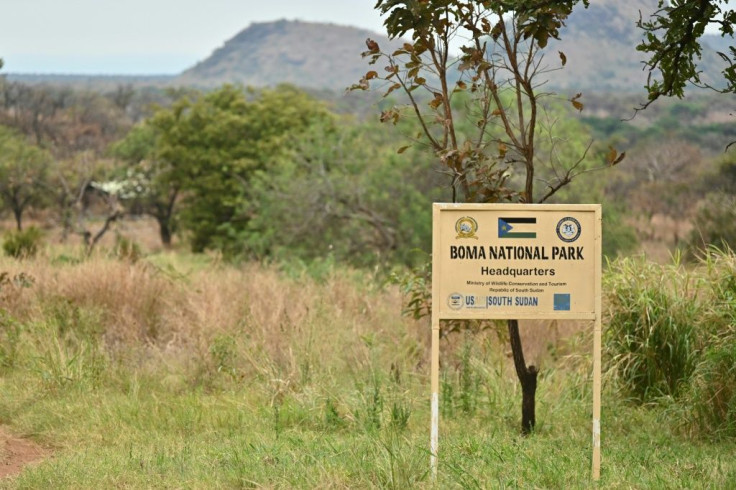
568	229
455	301
466	227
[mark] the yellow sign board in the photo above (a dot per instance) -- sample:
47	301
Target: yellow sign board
516	261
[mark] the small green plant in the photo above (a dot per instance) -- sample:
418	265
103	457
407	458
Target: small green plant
332	419
127	249
15	283
10	332
416	286
68	318
372	411
61	363
710	401
460	389
400	413
23	243
468	380
223	353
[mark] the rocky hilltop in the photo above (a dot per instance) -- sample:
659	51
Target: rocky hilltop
309	55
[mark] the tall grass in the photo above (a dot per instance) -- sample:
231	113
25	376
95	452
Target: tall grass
172	371
672	336
710	400
652	333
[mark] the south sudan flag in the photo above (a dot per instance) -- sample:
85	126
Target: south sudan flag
504	227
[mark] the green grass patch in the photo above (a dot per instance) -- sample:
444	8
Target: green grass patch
328	391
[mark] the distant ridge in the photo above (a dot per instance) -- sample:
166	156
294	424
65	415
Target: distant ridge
92	81
599	44
306	54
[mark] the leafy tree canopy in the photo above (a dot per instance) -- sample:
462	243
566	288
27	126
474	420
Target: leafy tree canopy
358	201
539	19
213	145
23	174
672	41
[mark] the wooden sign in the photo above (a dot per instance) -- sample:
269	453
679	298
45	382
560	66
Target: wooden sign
516	261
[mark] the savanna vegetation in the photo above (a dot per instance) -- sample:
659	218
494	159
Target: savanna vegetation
205	288
180	370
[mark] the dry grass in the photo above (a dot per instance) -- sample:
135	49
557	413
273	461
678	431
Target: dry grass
271	323
248	320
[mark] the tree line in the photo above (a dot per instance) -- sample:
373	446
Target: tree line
280	173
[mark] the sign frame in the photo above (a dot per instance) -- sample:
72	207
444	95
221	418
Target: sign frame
466	228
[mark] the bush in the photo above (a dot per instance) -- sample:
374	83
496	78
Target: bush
619	238
715	223
23	243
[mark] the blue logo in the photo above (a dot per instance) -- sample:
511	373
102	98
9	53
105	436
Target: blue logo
562	302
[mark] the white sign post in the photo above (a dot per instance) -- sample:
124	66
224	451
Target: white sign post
516	261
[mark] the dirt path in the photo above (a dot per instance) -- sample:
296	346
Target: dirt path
16	453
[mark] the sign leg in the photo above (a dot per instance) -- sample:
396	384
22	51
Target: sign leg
597	400
435	405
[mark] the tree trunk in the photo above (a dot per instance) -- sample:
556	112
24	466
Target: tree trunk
66	223
92	240
527	377
18	213
164	231
163	215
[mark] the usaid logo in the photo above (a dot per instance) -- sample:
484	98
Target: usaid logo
455	301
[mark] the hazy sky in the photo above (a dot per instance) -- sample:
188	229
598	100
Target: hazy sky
146	36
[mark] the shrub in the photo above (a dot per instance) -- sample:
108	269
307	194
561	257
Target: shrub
10	331
619	237
715	222
127	249
23	243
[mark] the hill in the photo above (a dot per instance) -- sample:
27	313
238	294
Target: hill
306	54
599	43
717	42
